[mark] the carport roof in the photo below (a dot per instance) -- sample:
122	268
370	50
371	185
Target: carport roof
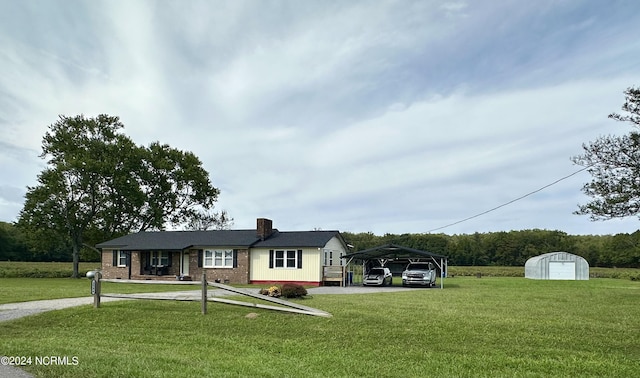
392	251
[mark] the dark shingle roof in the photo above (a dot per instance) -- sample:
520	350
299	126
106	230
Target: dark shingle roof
178	240
297	239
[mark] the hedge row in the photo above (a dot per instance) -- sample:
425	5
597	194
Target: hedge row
19	269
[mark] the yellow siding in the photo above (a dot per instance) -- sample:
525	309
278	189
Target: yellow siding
311	268
312	263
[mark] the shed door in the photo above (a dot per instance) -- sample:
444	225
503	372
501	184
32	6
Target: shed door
562	270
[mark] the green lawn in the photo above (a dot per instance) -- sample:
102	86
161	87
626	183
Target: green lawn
488	327
34	289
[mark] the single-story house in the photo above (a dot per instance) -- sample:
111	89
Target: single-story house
263	255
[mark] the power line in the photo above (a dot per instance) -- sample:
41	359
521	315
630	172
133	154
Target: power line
510	202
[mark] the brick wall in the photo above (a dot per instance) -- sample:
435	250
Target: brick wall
239	275
113	272
264	228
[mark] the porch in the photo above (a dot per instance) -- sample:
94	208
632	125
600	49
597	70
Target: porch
154	277
156	265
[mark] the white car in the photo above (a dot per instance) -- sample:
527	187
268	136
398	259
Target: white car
377	276
419	273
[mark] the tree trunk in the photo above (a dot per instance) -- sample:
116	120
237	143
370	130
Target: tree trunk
76	259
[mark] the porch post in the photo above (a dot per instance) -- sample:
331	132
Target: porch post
204	293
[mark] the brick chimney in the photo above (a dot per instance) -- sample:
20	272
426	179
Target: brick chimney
264	228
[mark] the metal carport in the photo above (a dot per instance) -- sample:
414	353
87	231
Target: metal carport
392	252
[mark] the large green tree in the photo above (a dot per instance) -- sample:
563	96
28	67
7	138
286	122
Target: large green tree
98	184
209	220
614	164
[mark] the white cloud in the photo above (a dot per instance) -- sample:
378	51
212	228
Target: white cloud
393	117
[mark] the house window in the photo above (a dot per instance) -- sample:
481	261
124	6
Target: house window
122	258
159	258
285	259
218	258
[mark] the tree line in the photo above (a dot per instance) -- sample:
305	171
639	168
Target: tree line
16	246
512	248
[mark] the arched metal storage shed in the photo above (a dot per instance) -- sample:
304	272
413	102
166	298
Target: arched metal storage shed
557	266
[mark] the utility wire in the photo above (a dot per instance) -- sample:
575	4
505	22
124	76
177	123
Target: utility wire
510	202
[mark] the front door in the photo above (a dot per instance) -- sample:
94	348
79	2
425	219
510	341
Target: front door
184	266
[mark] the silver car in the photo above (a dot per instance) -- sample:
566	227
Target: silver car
378	276
419	273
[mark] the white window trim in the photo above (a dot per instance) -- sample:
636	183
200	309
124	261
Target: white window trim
285	257
226	255
122	259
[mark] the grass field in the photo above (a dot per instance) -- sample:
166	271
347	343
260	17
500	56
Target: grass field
30	289
488	327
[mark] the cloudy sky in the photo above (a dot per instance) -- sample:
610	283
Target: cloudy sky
380	116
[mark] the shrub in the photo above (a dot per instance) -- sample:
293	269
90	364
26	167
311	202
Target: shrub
272	291
290	290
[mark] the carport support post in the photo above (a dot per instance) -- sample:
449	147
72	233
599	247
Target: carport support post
442	271
204	293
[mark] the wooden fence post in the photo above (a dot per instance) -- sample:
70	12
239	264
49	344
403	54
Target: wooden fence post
204	293
96	289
